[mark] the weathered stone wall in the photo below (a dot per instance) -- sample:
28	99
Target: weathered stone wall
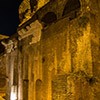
64	64
60	61
63	55
73	58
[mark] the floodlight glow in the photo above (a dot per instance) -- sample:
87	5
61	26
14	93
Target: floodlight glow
13	95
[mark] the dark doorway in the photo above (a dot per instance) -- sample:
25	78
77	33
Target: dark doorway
49	18
70	6
39	89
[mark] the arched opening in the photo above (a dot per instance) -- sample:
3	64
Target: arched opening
33	5
70	6
2	48
49	18
38	89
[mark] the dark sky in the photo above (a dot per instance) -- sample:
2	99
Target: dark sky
9	19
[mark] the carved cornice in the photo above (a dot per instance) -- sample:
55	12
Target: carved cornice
33	29
3	37
10	45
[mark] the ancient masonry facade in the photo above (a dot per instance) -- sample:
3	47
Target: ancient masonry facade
56	59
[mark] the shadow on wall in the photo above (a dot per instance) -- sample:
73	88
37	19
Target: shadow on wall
49	18
33	5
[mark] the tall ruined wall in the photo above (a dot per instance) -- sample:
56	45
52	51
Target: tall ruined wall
64	64
60	60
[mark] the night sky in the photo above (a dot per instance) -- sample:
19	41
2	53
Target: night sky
9	19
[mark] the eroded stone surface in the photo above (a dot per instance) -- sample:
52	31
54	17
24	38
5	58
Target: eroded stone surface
26	11
64	63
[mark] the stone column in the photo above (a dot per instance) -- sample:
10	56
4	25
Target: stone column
25	76
11	66
9	70
20	74
33	31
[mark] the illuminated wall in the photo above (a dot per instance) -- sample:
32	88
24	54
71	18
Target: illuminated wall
59	59
63	64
